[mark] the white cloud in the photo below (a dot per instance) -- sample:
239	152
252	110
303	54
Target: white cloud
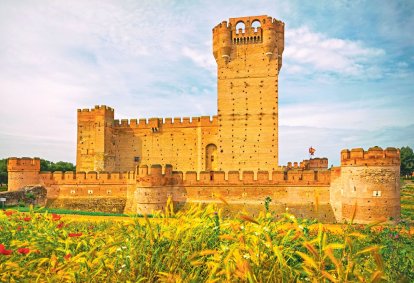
153	58
203	59
311	51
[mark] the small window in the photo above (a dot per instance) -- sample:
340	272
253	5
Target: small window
376	193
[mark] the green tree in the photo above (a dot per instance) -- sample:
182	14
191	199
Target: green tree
46	165
407	160
3	171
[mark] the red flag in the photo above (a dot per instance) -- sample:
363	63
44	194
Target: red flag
311	150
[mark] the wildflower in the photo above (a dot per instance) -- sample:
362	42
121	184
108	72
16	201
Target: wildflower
266	229
75	234
8	212
27	219
3	250
23	251
246	256
67	257
56	217
19	228
60	225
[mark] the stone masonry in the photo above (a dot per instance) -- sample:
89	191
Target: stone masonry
128	165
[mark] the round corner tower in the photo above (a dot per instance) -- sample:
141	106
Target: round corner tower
371	185
248	52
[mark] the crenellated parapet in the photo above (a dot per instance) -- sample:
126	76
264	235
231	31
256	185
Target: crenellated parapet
96	109
167	123
263	30
100	113
156	175
93	177
375	156
23	164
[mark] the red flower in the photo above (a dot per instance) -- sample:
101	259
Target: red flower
75	234
27	219
23	251
19	228
8	212
60	225
56	217
3	250
67	257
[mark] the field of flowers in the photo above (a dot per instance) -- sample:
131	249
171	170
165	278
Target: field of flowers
196	246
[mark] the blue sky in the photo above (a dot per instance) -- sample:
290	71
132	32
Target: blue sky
347	78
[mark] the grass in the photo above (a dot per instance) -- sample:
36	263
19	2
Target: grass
199	245
407	202
66	211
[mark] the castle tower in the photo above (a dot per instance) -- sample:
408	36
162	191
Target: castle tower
248	52
95	144
22	172
370	185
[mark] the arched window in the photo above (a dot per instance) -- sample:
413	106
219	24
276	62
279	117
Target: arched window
240	25
256	24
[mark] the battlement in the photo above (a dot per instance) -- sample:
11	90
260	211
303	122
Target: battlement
375	156
309	164
23	164
248	30
97	108
263	30
176	122
92	177
291	177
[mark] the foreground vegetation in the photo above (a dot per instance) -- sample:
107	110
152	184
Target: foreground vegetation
407	202
198	245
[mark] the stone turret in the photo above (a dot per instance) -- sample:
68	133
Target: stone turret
370	185
22	172
95	150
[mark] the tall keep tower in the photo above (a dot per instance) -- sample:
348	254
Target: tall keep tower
248	52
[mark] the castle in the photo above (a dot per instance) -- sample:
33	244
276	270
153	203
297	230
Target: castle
127	166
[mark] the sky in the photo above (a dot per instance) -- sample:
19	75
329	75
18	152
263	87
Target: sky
347	78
